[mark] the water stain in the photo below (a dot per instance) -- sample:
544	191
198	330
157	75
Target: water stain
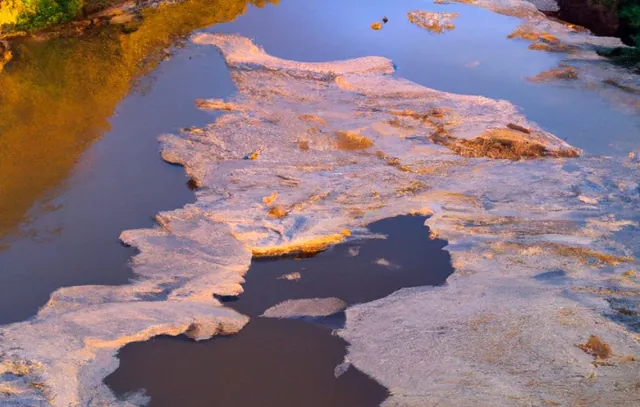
288	362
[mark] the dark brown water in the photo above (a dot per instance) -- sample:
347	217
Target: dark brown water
270	363
288	363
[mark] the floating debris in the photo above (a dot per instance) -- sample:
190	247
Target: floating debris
291	276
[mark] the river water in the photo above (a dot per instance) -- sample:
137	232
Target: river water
64	197
79	117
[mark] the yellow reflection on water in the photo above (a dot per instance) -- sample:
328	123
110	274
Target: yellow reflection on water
56	97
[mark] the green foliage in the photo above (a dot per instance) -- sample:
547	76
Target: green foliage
628	56
630	11
48	12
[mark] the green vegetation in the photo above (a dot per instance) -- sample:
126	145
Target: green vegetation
629	31
628	57
630	18
31	14
49	12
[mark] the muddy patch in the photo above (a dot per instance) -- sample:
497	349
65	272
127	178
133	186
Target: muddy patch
509	143
563	72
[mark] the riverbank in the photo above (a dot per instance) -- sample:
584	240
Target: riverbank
21	18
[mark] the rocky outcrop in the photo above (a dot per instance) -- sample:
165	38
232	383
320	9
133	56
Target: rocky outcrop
597	16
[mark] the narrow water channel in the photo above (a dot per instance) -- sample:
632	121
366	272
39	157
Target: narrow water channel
289	362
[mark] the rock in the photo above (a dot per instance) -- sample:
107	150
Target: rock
131	26
277	212
121	18
519	128
313	307
628	88
376	26
341	369
545	5
252	155
563	72
386	263
350	140
502	143
599	17
434	22
588	200
541	41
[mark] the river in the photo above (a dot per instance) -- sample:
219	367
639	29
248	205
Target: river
80	117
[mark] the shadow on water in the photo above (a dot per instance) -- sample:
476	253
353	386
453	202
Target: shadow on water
288	362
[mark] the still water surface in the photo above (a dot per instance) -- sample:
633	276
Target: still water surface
79	117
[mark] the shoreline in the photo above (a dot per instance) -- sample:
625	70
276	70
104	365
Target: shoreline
127	15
